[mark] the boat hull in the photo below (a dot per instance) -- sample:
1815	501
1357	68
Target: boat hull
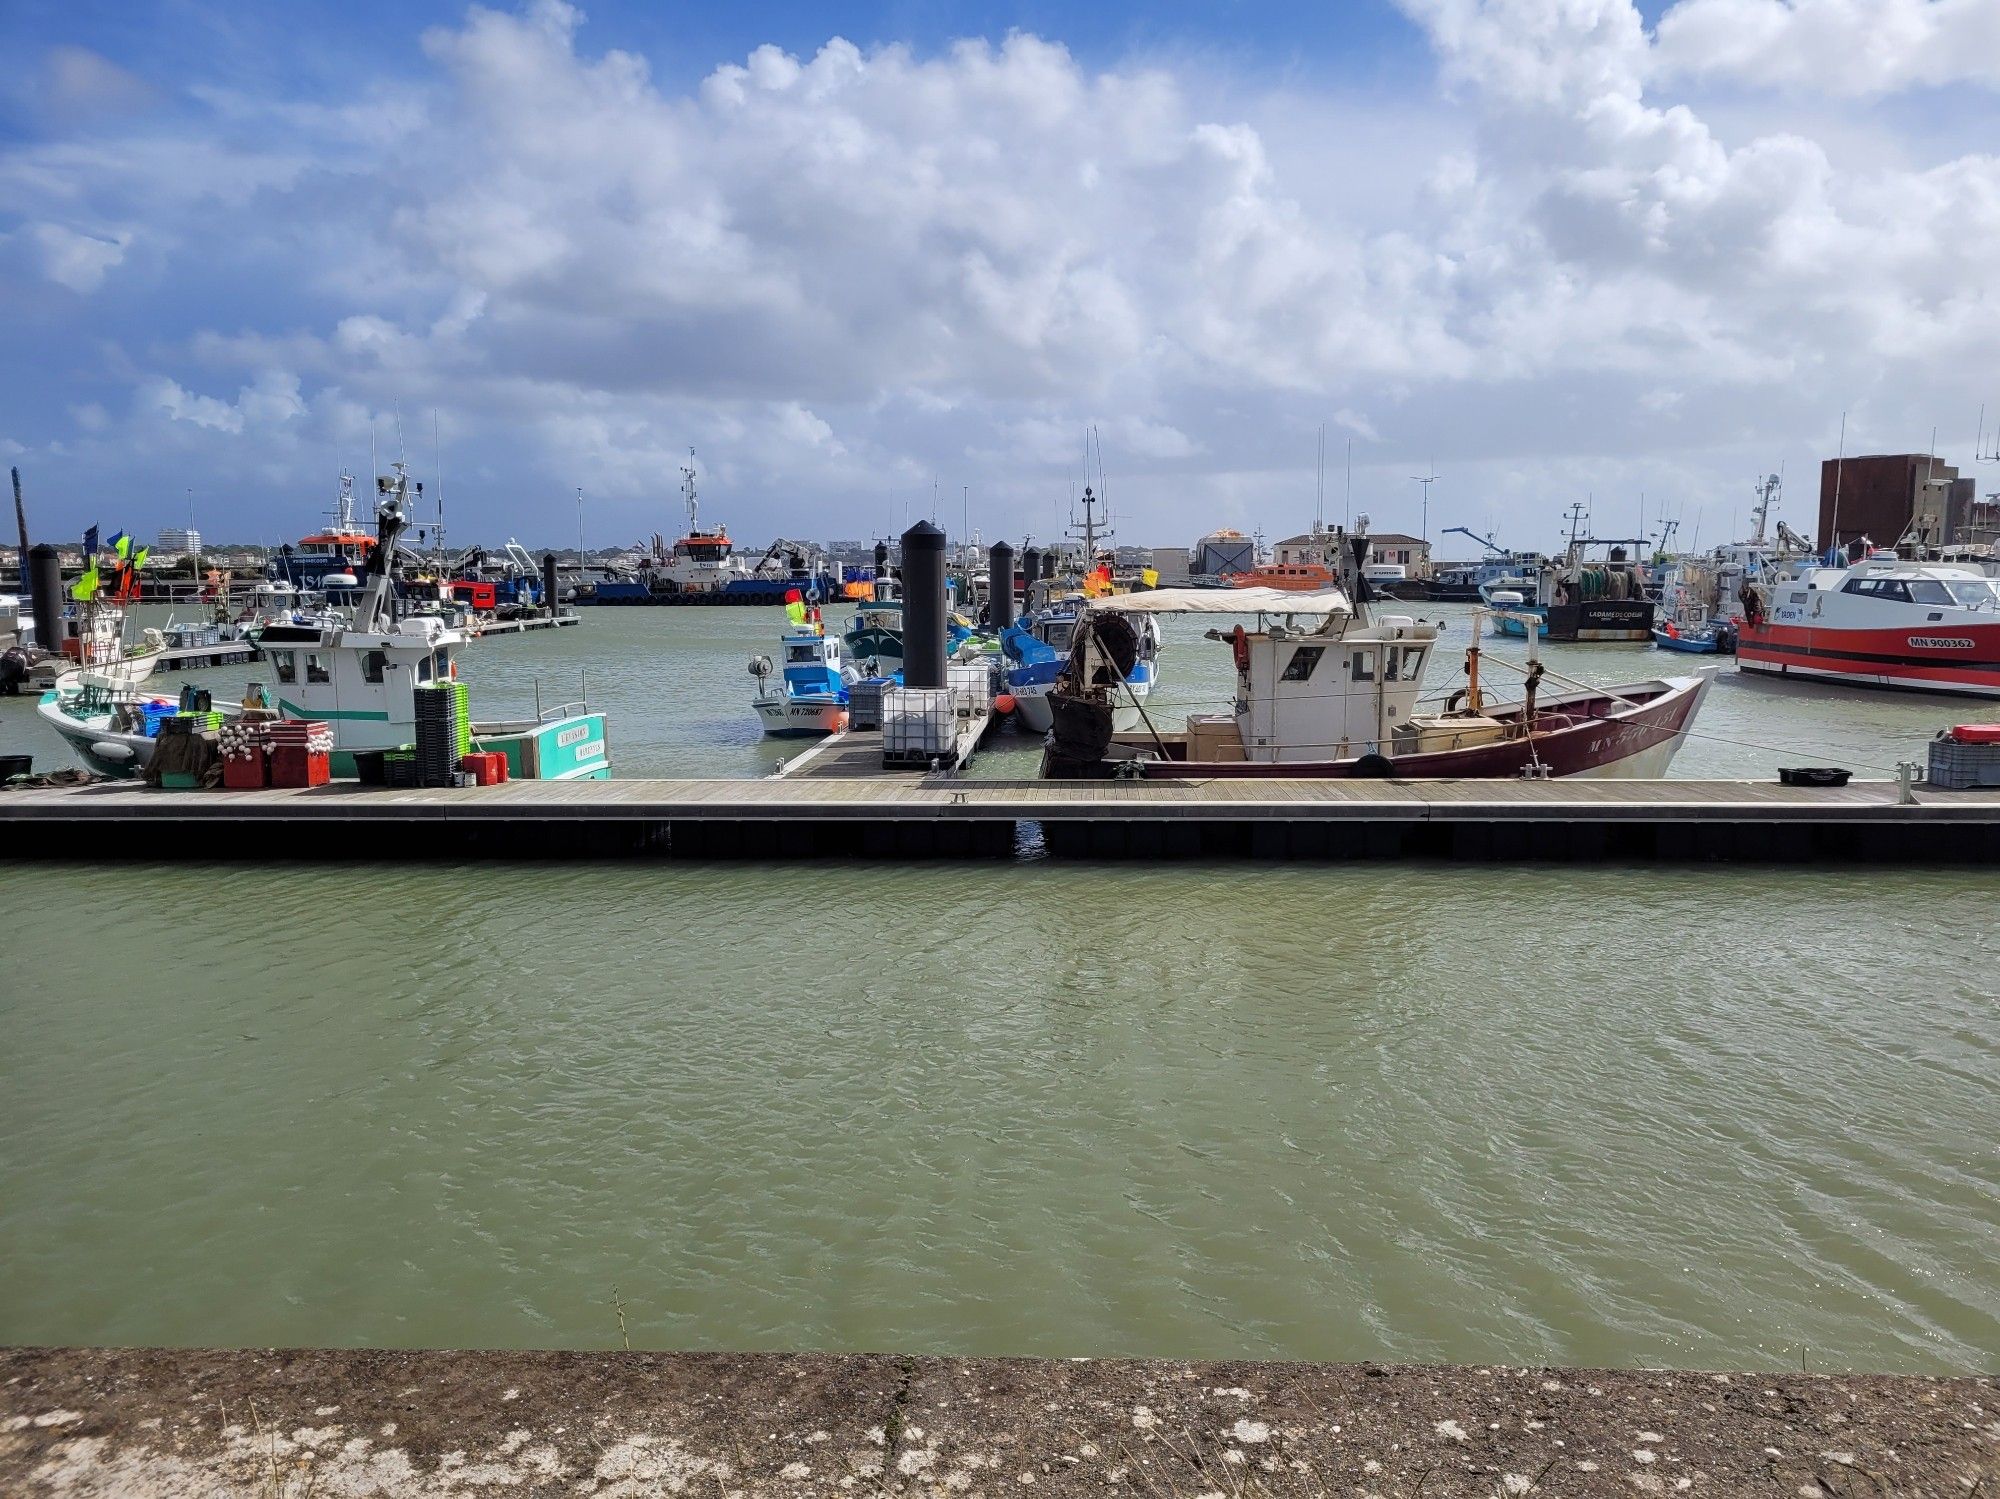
790	717
1031	706
1580	734
1956	658
1601	619
1711	644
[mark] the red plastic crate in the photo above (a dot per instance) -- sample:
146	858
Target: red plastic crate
487	767
251	772
291	767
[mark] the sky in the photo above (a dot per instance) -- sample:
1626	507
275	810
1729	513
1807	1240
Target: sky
876	263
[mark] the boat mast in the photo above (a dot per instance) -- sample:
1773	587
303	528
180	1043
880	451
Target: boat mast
687	489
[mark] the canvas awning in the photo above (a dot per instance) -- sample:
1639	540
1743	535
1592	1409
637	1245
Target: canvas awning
1227	601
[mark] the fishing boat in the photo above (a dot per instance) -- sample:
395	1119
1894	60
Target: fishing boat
1035	648
333	560
1696	634
109	723
1327	689
873	637
808	695
1703	596
1880	622
361	677
1511	612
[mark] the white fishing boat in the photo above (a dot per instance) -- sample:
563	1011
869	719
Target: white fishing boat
360	677
808	694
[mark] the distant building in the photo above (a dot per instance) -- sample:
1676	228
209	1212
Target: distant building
1308	550
1313	548
1885	496
178	542
1412	552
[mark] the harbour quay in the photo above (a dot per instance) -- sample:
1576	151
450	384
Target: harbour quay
375	1422
921	816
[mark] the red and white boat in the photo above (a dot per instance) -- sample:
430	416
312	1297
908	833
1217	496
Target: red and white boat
1919	626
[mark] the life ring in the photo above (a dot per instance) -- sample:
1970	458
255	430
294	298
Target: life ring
1239	644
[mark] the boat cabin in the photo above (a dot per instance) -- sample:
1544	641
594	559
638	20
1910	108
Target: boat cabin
365	681
812	663
1326	694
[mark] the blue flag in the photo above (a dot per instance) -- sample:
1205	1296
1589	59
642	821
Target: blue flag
90	544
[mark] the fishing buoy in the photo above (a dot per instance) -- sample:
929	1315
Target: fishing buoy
1004	703
340	580
106	749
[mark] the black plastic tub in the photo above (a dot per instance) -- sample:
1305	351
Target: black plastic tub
1814	775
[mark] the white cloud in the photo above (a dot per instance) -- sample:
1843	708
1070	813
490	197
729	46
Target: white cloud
843	276
1843	47
76	260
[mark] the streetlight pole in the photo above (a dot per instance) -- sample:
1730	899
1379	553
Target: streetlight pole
1427	480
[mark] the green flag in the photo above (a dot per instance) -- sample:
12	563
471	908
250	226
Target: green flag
85	588
140	560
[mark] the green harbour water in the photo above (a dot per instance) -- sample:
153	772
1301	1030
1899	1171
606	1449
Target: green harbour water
1728	1116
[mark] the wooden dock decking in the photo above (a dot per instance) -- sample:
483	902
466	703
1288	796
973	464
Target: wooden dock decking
912	817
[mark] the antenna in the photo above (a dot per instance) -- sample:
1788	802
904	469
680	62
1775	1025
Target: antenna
437	481
1319	485
1839	462
579	529
1347	508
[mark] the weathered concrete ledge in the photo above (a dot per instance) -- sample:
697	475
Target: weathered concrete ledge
285	1425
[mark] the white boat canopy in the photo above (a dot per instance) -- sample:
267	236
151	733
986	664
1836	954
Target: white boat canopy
1226	601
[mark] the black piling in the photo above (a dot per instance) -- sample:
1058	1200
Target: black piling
1031	565
44	578
881	560
1000	586
1048	565
923	606
550	598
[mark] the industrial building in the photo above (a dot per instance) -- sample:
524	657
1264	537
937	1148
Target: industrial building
1885	497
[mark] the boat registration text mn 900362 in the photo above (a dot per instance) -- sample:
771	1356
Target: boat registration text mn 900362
1940	643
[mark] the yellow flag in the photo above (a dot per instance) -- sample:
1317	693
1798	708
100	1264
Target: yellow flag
85	587
1150	577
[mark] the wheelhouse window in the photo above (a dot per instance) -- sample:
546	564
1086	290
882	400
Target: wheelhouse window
1364	666
316	668
286	664
1304	660
423	668
1413	662
373	665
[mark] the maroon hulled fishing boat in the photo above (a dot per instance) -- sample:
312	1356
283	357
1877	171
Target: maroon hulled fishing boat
1325	690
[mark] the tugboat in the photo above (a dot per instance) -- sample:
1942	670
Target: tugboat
1325	690
333	560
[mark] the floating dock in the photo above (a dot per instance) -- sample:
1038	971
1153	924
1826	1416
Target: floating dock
523	625
874	816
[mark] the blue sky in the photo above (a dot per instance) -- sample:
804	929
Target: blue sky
1555	248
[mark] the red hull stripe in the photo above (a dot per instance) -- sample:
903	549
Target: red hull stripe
1780	643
